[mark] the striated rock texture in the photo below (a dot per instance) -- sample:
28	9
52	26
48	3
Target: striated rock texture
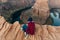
39	12
12	32
8	7
17	4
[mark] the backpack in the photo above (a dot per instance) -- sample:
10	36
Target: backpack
31	28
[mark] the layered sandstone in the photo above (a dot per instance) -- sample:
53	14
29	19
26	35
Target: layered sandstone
12	32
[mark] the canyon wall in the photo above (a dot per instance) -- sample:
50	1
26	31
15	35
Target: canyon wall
12	32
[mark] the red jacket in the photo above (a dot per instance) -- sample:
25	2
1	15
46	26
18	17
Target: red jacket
31	28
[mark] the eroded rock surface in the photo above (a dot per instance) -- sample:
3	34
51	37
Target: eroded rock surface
8	7
12	32
39	12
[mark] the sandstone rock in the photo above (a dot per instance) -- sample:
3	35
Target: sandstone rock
39	12
2	21
17	4
42	32
8	7
4	1
54	3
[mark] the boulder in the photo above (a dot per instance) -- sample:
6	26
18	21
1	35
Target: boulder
39	12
